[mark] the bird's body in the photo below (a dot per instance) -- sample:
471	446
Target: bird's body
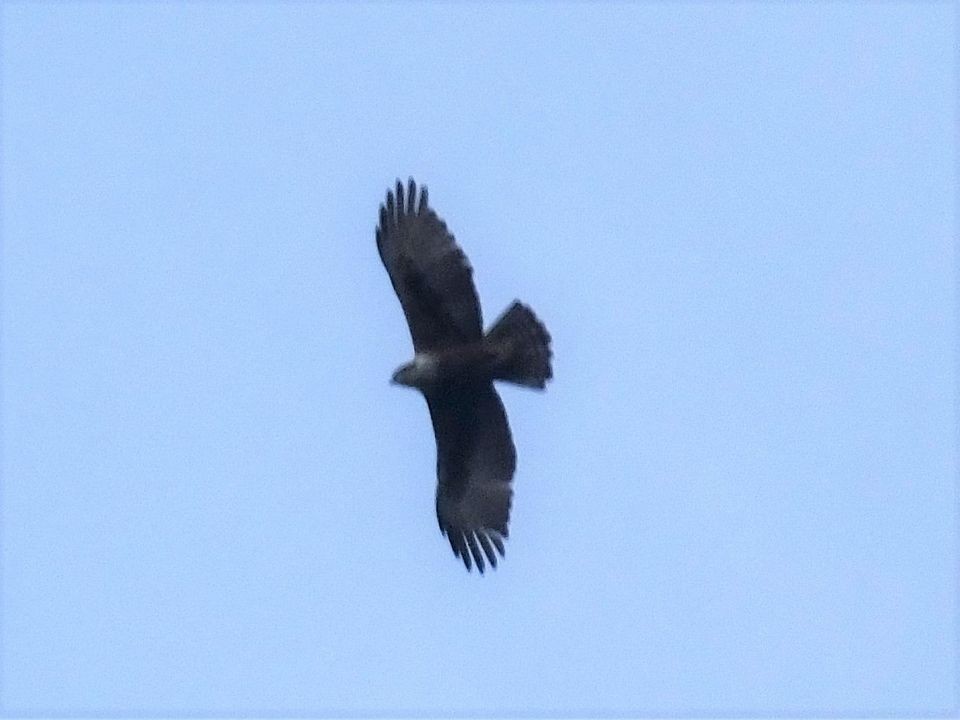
457	364
454	366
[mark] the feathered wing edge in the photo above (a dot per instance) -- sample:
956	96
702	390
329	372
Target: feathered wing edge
468	543
430	273
476	460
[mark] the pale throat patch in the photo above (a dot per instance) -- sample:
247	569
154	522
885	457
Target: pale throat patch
425	363
424	369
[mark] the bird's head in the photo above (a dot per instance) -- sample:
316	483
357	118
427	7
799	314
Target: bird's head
417	374
404	375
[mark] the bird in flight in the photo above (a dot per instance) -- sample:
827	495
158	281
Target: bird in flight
454	366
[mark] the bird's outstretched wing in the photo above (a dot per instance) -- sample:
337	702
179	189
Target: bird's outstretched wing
475	464
429	272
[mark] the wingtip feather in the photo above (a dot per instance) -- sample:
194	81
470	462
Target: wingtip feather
484	539
399	199
390	209
475	551
411	195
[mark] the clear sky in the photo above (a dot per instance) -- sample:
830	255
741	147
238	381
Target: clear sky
737	220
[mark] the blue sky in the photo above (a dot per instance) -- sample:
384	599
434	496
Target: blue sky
738	223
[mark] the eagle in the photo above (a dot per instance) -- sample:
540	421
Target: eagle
454	366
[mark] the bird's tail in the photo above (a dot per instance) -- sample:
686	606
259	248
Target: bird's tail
521	345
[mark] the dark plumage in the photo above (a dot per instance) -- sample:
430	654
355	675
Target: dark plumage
454	367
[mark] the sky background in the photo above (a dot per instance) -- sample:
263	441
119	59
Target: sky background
737	220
